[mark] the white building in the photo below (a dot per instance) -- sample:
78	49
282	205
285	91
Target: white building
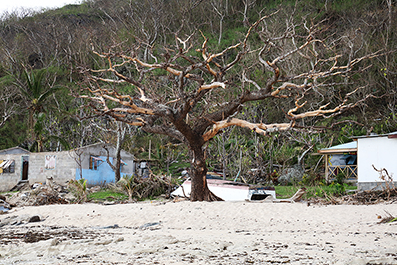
365	161
377	151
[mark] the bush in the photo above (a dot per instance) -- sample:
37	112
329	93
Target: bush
79	189
143	187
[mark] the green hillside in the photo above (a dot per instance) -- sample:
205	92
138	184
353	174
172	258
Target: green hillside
58	44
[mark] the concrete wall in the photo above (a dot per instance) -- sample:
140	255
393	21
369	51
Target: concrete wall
377	151
63	171
9	180
373	185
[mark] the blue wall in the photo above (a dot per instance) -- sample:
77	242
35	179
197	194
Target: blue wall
103	174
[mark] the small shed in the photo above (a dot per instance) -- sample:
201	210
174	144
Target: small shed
341	159
376	151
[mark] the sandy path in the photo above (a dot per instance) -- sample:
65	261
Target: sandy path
202	233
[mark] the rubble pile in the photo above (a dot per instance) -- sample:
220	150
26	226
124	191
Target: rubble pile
376	196
4	205
40	194
360	198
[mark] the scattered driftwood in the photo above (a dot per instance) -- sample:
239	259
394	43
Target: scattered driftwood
48	196
21	185
376	196
359	198
388	219
295	198
381	193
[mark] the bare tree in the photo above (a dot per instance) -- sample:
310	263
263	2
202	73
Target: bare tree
77	154
116	165
193	98
8	107
220	9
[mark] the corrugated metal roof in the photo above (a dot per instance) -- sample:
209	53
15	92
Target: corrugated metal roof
372	135
347	147
343	146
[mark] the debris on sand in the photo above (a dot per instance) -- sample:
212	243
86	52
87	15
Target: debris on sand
50	193
388	219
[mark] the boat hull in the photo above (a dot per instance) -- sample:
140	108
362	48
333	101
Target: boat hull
229	190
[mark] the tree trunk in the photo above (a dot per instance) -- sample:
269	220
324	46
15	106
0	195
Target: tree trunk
198	173
120	139
117	166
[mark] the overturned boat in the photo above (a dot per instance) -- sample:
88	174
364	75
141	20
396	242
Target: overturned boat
229	190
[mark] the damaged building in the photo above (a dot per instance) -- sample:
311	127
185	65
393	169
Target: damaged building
89	162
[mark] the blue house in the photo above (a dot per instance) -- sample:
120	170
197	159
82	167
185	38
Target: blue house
92	163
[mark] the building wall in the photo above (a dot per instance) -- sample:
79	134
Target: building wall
66	165
85	153
373	185
9	180
64	170
377	151
103	174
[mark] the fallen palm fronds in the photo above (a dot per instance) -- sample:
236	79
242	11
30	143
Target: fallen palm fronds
79	189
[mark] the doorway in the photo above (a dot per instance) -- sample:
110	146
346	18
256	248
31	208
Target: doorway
25	167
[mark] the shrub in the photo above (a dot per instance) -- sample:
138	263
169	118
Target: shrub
79	189
143	187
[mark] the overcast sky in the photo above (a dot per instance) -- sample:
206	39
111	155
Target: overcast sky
11	5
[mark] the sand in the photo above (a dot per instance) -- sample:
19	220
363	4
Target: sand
199	233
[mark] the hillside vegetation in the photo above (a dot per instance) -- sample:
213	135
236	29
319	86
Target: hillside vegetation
51	51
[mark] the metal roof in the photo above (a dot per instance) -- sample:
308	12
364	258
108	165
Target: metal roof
341	148
373	135
14	150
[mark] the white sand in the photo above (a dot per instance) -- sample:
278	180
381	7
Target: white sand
205	233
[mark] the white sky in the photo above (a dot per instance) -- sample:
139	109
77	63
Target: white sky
12	5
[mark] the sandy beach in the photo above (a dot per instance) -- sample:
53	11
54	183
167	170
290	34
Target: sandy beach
199	233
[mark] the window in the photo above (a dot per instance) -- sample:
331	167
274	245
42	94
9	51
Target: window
95	162
7	166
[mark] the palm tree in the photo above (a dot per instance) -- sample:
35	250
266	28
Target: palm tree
36	94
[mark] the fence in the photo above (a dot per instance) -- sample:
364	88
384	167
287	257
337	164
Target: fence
349	171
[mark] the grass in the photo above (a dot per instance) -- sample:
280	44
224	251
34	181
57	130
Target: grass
314	191
107	195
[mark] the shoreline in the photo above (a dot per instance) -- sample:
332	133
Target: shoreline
202	233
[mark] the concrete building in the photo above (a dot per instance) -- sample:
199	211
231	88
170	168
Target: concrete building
89	162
